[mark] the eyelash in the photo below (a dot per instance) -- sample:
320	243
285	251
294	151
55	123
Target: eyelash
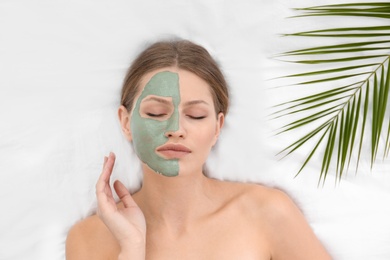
160	115
155	115
197	117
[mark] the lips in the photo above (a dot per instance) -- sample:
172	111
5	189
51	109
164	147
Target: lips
171	151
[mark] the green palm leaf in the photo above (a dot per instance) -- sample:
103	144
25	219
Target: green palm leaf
339	116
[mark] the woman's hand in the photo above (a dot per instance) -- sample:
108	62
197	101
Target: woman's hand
127	224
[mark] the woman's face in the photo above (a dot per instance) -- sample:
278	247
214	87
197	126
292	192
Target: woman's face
173	123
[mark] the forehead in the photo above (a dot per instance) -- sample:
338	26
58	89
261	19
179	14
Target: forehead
164	81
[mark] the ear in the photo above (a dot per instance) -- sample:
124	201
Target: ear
124	119
219	125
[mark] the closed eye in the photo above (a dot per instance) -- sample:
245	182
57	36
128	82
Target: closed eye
197	117
155	115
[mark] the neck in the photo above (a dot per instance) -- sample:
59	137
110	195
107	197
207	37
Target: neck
175	202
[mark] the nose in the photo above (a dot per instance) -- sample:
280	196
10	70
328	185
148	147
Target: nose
174	128
177	133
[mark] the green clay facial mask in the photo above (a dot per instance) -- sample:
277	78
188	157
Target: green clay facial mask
149	133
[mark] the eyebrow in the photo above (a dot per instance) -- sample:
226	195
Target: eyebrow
195	102
160	100
168	102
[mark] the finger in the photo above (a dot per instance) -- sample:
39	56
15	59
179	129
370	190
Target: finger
105	199
110	161
105	160
104	178
124	195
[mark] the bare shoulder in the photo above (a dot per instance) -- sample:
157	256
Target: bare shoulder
274	213
259	198
271	201
264	206
90	239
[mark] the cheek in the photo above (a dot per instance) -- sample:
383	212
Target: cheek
206	136
147	131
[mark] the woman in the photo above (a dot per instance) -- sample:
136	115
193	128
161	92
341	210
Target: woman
174	101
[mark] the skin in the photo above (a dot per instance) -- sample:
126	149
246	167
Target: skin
191	216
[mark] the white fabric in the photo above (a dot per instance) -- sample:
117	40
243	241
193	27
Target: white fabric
62	64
